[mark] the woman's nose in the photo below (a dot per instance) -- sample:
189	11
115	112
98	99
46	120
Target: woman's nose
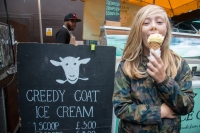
153	25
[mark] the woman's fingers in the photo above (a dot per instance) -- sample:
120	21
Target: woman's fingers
153	61
167	112
156	68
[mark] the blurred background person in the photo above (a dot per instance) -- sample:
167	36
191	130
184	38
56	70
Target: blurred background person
64	35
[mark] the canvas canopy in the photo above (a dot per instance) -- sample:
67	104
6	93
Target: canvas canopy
172	7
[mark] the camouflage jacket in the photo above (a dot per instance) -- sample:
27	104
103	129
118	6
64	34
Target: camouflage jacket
137	103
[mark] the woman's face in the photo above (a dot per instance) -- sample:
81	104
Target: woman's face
154	23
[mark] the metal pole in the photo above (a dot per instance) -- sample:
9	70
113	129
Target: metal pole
3	121
40	21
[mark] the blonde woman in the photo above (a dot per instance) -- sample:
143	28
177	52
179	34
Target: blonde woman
150	95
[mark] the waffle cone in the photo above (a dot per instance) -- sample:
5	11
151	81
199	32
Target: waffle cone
154	45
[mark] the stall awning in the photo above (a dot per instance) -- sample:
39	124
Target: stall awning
172	7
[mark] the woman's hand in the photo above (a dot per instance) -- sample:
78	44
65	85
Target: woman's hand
156	68
166	112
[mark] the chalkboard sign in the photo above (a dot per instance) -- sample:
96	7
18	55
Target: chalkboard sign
113	10
65	88
190	122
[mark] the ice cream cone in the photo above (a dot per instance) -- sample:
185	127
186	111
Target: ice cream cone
155	42
154	45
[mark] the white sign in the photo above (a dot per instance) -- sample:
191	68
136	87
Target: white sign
48	31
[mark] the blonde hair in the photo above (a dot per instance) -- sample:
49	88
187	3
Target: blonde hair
133	49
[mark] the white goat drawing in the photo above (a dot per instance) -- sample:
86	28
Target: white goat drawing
70	66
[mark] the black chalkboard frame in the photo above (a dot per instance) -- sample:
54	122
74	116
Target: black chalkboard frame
37	85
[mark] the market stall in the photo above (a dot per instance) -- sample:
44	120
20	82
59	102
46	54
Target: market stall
96	12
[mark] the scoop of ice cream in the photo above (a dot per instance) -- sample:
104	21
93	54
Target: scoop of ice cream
156	38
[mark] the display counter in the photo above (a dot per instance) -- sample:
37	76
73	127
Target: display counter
186	45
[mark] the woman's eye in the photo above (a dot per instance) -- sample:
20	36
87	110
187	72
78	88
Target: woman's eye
146	23
159	22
